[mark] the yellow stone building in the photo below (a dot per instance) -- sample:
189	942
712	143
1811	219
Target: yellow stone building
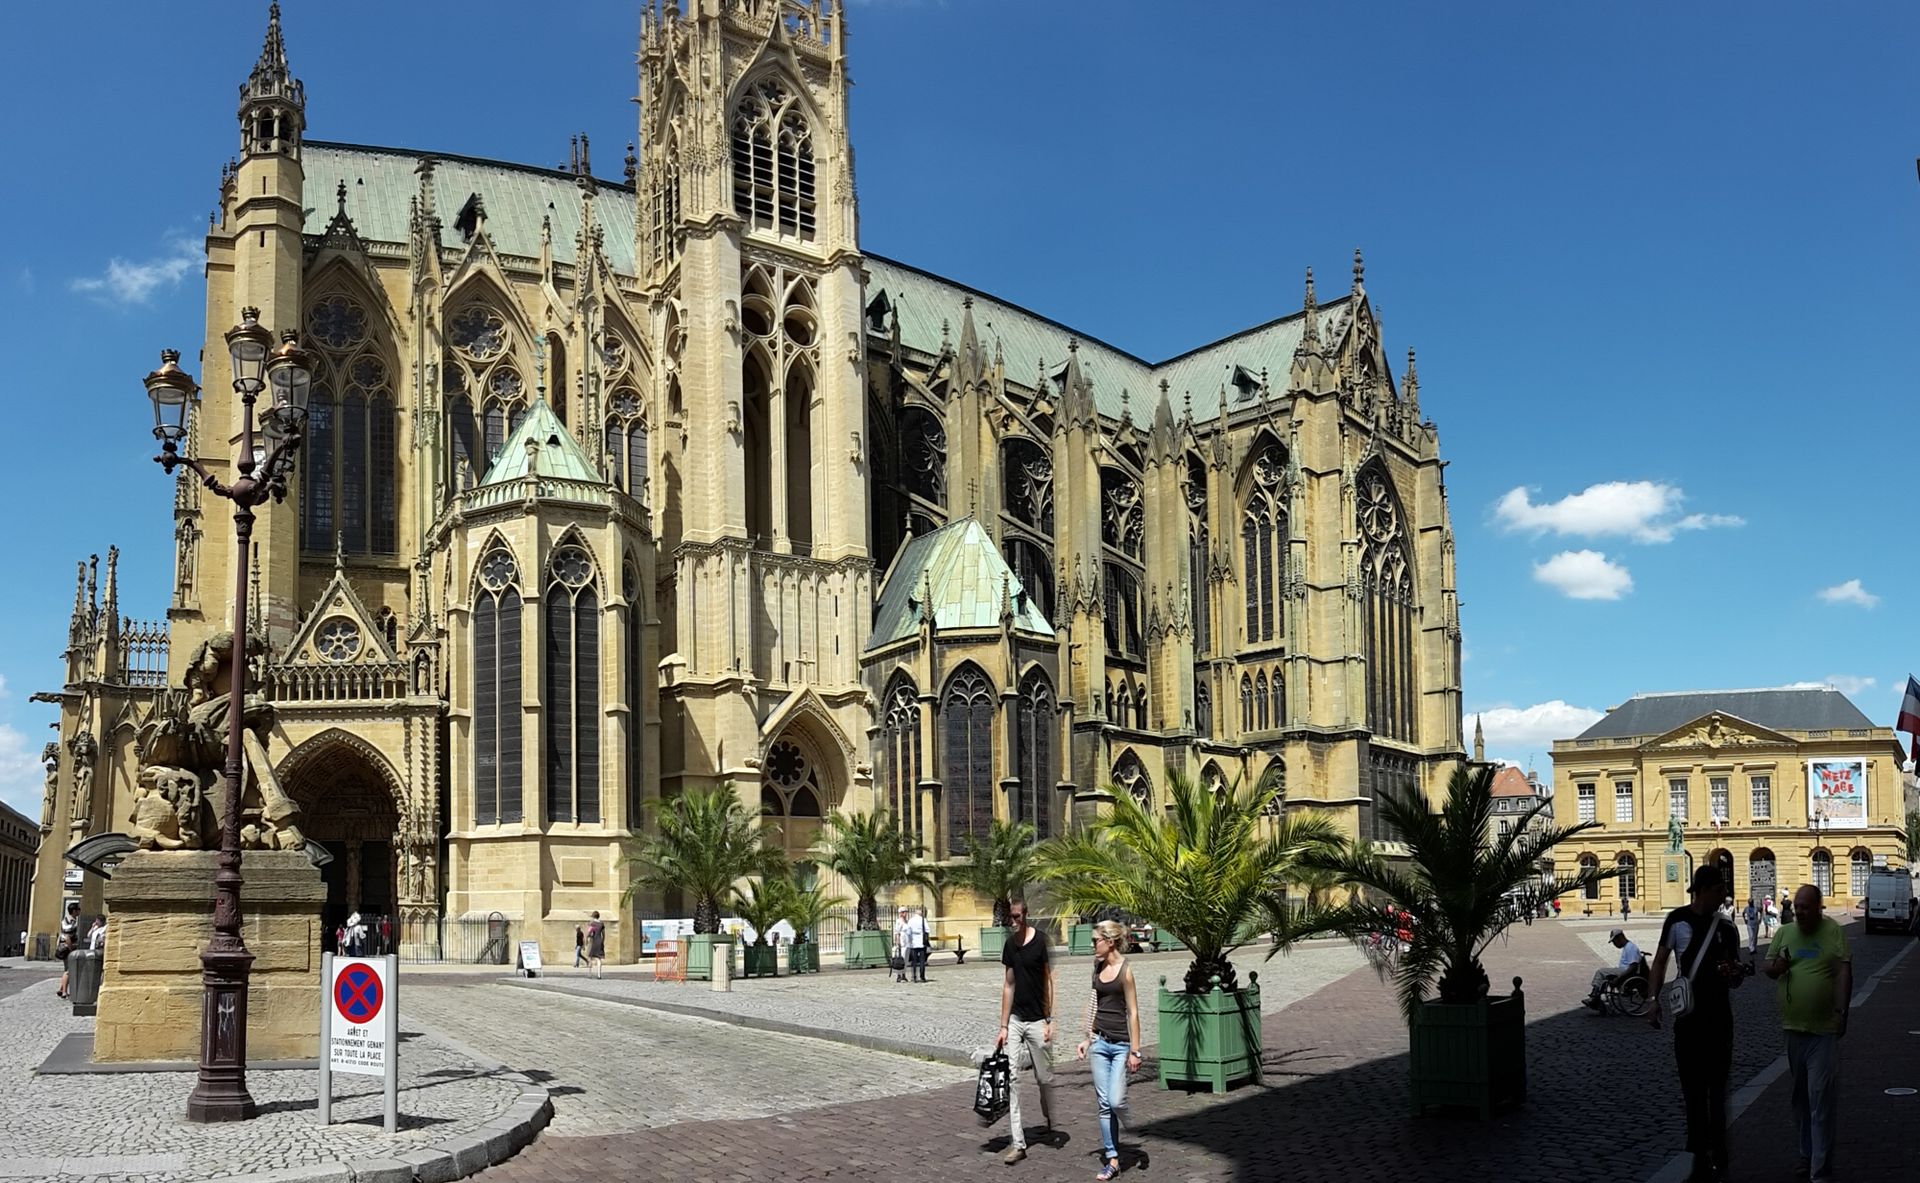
1783	787
617	488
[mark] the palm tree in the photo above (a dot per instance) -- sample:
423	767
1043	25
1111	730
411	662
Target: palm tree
808	908
1000	867
766	902
1199	870
872	853
705	842
1455	883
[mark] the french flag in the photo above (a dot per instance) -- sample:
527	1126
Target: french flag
1909	720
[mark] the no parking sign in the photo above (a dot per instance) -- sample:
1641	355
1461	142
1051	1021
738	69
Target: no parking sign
360	1026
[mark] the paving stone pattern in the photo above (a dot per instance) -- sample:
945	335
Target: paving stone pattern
1333	1105
615	1068
129	1128
958	1009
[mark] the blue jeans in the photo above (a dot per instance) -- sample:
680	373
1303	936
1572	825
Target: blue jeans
1813	1061
1109	1062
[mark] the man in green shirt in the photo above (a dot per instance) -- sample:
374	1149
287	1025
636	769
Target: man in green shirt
1810	961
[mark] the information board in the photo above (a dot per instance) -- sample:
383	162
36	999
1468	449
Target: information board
530	957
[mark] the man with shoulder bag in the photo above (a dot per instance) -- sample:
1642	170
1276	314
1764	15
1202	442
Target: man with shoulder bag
1703	950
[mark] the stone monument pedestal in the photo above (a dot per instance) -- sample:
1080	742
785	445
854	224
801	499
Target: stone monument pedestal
160	916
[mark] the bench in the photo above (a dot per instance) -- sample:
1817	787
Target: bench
959	943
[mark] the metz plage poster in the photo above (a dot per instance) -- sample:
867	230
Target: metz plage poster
1837	792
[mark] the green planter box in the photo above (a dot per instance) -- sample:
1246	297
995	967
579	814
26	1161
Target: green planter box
992	942
1164	940
700	953
1471	1055
868	949
1210	1040
763	961
1080	939
803	957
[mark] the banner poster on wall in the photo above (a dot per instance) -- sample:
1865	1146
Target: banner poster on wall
1837	793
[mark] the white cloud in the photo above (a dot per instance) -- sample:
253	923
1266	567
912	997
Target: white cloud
132	283
1514	733
21	776
1849	592
1584	575
1641	510
1851	684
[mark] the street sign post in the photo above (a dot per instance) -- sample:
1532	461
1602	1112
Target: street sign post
360	1026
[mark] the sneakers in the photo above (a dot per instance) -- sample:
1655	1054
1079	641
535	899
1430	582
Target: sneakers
1015	1155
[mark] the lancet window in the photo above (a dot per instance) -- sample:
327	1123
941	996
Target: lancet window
967	711
1130	777
1263	543
571	688
1198	546
626	422
773	175
900	736
778	315
496	690
1387	607
1033	754
349	487
1123	611
486	396
634	683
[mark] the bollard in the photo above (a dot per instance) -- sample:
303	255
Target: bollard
722	966
83	980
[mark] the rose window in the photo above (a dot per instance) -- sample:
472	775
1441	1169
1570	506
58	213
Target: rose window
497	571
337	323
505	384
785	764
478	333
338	640
571	566
1377	515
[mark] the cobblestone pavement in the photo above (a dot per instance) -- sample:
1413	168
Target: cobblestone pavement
958	1008
615	1068
129	1128
1332	1106
17	975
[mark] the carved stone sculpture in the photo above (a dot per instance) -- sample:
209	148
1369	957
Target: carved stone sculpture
50	756
156	807
85	751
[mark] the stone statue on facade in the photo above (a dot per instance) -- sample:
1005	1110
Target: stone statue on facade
50	796
1676	835
85	752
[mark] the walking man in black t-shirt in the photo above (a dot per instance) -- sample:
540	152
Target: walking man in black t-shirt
1703	1039
1026	1019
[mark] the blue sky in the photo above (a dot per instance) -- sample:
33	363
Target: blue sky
1659	263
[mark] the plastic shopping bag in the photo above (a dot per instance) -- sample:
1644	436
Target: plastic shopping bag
992	1088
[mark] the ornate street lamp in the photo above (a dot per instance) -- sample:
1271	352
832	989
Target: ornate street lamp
220	1093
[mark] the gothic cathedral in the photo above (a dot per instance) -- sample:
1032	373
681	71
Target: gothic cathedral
611	490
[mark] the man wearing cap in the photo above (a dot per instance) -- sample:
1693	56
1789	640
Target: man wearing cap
1629	959
1703	1038
902	944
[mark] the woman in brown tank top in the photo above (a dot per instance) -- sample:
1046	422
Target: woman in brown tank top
1113	1037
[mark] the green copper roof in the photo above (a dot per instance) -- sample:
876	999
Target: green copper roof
540	448
967	578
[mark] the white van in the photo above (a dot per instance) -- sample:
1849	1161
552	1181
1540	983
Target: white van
1887	894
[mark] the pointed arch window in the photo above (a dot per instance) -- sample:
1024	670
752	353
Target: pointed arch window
486	396
1199	544
496	691
1246	703
570	692
1027	472
1260	700
1035	573
1202	705
1277	690
1033	754
1274	780
349	491
773	168
627	442
1387	618
633	677
967	709
1130	777
1263	543
1122	619
900	735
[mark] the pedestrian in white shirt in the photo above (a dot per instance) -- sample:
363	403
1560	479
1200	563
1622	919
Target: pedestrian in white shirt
917	944
1629	959
902	944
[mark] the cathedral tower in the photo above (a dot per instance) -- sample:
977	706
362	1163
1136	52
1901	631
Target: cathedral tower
747	248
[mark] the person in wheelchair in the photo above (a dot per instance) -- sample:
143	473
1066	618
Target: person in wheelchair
1629	964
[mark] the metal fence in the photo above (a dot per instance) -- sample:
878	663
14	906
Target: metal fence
462	940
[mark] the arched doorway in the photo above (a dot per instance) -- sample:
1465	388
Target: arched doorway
347	804
1763	875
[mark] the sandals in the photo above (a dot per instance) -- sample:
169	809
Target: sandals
1109	1171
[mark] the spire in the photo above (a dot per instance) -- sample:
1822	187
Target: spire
1162	435
110	593
77	627
1479	742
972	363
272	101
1410	386
1310	324
632	164
1359	273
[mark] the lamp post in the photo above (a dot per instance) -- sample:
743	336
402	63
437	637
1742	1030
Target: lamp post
1818	824
220	1093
